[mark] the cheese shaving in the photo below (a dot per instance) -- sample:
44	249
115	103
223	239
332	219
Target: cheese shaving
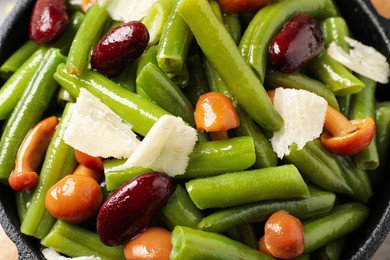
127	10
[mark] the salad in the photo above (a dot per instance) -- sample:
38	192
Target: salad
192	129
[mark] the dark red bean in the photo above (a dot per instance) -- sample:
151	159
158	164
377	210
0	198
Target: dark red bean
129	210
119	47
299	42
48	21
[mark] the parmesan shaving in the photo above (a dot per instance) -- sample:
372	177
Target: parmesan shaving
303	113
127	10
51	254
362	59
96	130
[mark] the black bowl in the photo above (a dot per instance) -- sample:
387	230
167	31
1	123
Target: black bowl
366	27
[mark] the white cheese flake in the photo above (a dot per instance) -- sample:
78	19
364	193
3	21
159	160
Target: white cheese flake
51	254
362	59
303	113
96	130
127	10
166	147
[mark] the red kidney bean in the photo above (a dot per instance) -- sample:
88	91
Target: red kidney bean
300	41
119	47
129	210
48	21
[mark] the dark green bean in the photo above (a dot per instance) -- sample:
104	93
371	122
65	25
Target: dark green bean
180	210
331	251
269	20
22	199
194	244
223	53
134	109
244	234
29	110
233	25
162	91
274	79
231	189
317	204
344	219
319	166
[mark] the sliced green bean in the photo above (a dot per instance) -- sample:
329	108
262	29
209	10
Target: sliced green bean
317	204
134	109
22	199
334	30
181	78
89	33
340	80
233	25
274	79
126	79
162	91
116	177
319	166
16	60
362	106
231	189
217	157
75	241
180	210
344	219
29	110
269	20
55	161
244	234
157	18
194	244
174	43
222	52
331	251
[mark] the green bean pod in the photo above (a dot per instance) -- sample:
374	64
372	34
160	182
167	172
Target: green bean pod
16	59
274	79
59	157
180	210
319	166
157	18
332	73
22	199
134	109
88	34
29	110
265	156
334	30
269	20
190	244
317	204
75	241
231	189
233	25
221	156
115	177
162	91
244	234
343	219
174	43
331	251
362	106
222	52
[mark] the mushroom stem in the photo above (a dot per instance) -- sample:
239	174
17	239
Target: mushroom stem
337	124
219	135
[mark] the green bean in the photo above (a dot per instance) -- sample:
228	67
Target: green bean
269	20
63	97
340	80
221	156
148	56
13	88
357	180
134	109
181	78
89	33
317	204
233	25
244	234
331	251
319	166
116	177
22	199
230	189
265	156
174	43
157	18
162	91
334	30
180	210
362	106
126	79
344	219
190	243
29	110
55	161
344	104
274	79
382	116
75	241
223	53
16	60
